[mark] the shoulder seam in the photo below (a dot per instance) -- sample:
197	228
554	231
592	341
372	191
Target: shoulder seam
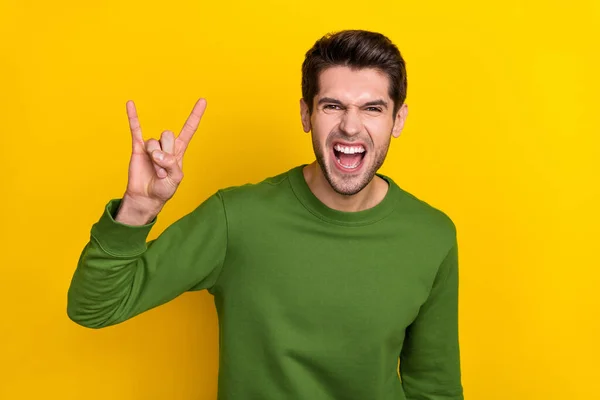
279	182
222	200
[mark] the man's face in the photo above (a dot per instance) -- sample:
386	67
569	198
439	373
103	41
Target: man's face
352	124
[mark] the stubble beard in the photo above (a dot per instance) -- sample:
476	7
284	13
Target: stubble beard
349	184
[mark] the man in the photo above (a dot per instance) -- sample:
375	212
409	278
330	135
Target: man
323	276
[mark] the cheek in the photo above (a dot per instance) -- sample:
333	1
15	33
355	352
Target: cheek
379	131
323	126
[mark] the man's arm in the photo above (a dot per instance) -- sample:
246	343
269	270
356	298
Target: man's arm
430	359
120	275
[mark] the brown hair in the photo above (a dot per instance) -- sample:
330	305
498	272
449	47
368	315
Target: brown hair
356	49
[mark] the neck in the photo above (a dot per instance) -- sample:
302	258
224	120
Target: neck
368	197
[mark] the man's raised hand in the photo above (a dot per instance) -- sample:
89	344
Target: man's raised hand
155	167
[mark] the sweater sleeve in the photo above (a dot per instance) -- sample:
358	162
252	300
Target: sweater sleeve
120	274
430	359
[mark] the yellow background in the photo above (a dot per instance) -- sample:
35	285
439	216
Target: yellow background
502	135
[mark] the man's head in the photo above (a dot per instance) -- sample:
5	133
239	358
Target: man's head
353	91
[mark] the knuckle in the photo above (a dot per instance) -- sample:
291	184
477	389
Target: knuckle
175	181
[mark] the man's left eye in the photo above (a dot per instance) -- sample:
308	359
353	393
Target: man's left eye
375	109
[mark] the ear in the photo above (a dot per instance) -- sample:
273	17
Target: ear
400	120
305	116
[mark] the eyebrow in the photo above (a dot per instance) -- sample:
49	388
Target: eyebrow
331	100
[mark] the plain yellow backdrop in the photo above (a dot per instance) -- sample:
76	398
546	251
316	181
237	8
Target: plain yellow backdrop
502	135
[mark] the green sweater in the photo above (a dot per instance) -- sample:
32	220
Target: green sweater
313	303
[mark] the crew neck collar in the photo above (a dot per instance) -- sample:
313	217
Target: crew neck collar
348	218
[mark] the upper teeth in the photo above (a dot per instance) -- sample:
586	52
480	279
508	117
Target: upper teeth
349	149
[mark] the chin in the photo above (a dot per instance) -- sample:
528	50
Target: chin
345	182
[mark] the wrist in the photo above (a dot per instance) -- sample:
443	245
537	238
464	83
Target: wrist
137	212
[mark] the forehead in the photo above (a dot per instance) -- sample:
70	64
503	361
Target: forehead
353	85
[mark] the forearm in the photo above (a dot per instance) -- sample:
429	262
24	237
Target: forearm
103	287
110	272
120	274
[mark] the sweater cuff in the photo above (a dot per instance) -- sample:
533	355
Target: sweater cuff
119	239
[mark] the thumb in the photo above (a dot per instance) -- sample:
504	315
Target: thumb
169	163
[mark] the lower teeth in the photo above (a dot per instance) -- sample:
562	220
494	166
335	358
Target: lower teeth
348	166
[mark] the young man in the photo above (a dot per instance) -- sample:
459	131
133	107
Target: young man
323	276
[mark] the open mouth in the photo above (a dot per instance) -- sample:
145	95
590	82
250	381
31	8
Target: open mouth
349	158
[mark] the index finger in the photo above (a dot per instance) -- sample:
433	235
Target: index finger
134	122
191	124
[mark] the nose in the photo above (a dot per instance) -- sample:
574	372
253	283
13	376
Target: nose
350	122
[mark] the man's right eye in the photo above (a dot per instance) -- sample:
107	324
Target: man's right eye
332	107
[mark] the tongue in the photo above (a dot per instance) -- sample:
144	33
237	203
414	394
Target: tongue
350	159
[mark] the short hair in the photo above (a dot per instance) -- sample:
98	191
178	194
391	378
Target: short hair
356	49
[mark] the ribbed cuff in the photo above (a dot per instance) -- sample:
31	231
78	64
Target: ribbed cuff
117	238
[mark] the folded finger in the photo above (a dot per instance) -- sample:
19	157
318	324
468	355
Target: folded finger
153	145
167	142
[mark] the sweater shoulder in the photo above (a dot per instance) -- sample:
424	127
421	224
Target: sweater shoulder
424	214
261	190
